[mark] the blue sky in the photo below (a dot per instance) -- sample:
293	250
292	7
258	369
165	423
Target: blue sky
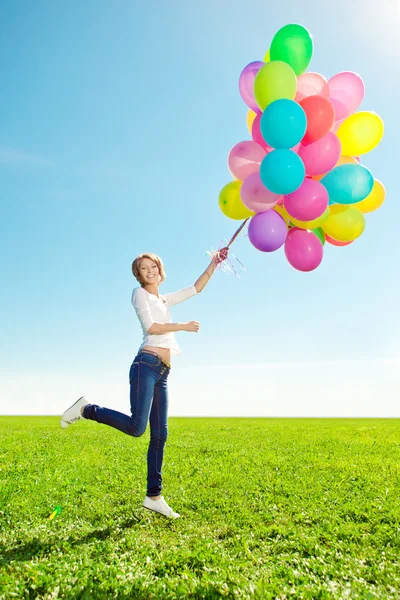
117	119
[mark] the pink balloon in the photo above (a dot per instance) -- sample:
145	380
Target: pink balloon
321	156
246	83
311	84
346	91
245	158
256	133
337	123
303	249
256	196
309	202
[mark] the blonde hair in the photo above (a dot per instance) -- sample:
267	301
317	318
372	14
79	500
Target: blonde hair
154	258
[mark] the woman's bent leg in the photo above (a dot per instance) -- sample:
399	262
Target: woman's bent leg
142	382
158	437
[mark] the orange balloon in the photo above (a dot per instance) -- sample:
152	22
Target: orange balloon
336	242
320	117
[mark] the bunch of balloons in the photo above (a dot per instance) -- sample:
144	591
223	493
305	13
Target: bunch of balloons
300	178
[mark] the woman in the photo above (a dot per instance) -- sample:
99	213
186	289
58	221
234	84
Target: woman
149	370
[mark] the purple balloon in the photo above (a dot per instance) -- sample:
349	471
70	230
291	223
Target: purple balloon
303	249
246	84
267	231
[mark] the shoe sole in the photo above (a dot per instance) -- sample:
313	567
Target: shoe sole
159	513
64	424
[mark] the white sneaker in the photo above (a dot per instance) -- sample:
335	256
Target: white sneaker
161	507
73	413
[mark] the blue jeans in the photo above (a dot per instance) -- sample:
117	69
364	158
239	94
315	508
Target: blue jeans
149	400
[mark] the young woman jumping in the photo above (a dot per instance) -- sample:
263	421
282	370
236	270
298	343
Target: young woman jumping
150	369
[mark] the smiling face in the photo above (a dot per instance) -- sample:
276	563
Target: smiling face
148	269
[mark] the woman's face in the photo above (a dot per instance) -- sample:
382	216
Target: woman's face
149	271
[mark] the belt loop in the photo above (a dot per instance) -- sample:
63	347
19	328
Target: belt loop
155	354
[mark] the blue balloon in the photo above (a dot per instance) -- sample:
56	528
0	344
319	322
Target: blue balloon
283	124
282	171
348	184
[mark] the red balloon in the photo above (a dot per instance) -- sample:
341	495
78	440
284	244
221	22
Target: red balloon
320	117
336	242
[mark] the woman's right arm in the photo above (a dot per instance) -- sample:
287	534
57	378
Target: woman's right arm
142	308
160	328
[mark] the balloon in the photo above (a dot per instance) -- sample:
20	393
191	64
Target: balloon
246	83
321	156
255	195
282	171
346	91
345	223
267	231
280	209
311	224
275	80
336	125
230	202
336	242
251	115
320	117
267	56
293	45
309	202
244	159
320	233
374	200
347	160
303	249
283	124
343	160
256	133
348	184
311	84
360	133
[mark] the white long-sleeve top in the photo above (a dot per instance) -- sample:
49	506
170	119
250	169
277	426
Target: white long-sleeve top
152	309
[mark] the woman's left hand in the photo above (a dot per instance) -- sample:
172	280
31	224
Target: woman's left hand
222	255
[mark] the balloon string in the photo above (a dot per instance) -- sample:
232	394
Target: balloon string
237	232
227	266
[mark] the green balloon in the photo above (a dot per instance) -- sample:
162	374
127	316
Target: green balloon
293	45
274	81
320	233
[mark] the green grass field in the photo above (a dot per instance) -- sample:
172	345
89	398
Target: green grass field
270	508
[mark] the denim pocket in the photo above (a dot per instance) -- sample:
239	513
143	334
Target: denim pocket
133	371
149	359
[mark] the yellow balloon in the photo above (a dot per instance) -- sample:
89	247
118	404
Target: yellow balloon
267	56
280	209
230	202
251	115
345	223
311	224
360	133
374	200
